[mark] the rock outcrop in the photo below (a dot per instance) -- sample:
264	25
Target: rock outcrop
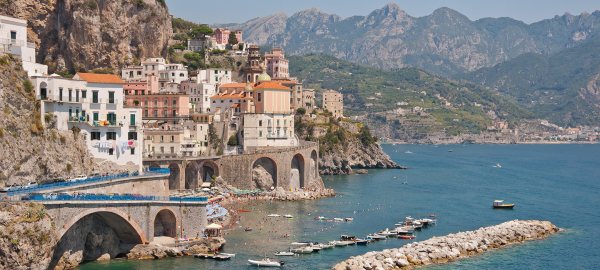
78	35
29	151
307	194
151	252
356	155
438	250
27	236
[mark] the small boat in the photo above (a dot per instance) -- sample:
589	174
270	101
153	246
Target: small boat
247	229
407	236
284	253
376	237
326	246
320	218
408	152
387	233
288	216
402	231
497	165
348	219
315	247
361	242
300	243
266	262
344	237
499	204
339	243
303	250
228	254
217	257
273	215
338	219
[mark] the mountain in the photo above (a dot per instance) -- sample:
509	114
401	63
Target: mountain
413	101
563	87
444	42
88	34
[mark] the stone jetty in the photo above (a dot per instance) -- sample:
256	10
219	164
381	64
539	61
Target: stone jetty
444	249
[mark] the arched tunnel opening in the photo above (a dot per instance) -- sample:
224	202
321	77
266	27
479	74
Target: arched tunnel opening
95	235
165	224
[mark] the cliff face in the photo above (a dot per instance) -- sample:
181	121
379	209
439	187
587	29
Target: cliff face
87	34
27	236
28	151
343	145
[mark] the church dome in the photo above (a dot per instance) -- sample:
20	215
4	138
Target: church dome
264	77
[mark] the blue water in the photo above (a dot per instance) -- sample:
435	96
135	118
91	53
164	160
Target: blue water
559	183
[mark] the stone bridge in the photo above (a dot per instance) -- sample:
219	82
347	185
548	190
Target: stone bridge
99	227
289	168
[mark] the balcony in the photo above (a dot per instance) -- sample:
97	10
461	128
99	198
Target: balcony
16	43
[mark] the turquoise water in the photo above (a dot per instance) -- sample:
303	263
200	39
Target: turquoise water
560	183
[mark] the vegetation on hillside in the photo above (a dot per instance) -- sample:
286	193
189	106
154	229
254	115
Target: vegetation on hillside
413	95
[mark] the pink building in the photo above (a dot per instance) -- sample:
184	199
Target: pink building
277	65
239	36
154	104
222	35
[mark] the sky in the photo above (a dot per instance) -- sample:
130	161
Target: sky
237	11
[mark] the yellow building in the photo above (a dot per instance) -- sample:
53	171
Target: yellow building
333	102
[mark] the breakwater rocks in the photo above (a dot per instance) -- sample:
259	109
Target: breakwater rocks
282	195
444	249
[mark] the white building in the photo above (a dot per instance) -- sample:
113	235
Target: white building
13	40
214	76
190	139
133	73
152	66
173	73
268	130
94	104
200	94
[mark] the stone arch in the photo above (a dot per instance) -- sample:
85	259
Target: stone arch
43	90
95	232
165	223
174	176
191	175
264	173
208	169
297	172
314	164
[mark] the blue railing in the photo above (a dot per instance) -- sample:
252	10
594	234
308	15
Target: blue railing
89	180
108	197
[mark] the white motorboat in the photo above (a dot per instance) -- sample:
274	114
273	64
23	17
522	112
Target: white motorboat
228	254
320	218
340	243
348	219
273	215
376	237
338	219
284	253
326	246
387	233
300	243
303	250
288	216
266	262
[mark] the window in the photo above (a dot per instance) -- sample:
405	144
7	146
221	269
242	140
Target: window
111	151
13	35
95	116
132	135
162	149
260	123
260	134
162	138
83	94
95	135
174	102
132	119
111	97
259	97
172	150
155	113
132	151
77	95
111	136
112	118
172	138
60	94
174	113
70	95
94	96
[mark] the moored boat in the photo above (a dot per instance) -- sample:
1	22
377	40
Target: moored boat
348	219
338	219
288	216
376	237
303	250
266	262
407	236
499	204
284	253
361	242
273	215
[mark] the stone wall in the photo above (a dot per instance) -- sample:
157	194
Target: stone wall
151	185
237	170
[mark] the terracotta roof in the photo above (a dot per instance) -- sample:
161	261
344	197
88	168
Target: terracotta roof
285	81
271	85
233	85
99	78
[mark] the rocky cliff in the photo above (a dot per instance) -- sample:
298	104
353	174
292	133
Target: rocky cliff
29	151
444	42
78	35
26	236
343	145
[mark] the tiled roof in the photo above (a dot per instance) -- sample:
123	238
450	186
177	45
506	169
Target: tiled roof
271	85
99	78
233	85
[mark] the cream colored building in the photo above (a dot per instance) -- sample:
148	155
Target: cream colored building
13	40
189	139
333	102
308	99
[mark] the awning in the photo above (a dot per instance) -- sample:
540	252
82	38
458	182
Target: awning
214	226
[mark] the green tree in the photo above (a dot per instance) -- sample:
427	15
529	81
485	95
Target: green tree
301	111
232	38
201	31
233	141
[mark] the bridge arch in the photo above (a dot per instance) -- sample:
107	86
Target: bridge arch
264	173
297	172
174	176
165	223
208	170
191	175
95	232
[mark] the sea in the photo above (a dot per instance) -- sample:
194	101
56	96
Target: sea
458	183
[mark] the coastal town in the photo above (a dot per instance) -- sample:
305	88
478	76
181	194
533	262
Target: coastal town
148	141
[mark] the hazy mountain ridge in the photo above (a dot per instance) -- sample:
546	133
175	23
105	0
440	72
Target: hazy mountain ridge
445	42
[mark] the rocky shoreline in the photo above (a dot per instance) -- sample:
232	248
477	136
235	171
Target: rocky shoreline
444	249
